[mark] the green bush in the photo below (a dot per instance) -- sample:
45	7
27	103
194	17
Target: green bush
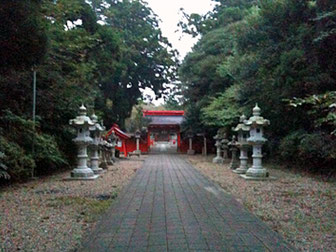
313	151
289	145
27	149
3	167
19	163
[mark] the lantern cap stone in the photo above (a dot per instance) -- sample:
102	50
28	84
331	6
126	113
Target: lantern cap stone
256	110
242	126
242	118
82	119
233	142
256	119
82	110
94	117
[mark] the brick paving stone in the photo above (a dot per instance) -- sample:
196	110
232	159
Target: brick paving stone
170	206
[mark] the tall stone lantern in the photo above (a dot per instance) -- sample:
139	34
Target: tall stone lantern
218	159
108	153
256	139
137	138
103	151
233	147
243	133
190	151
96	130
113	139
82	123
225	146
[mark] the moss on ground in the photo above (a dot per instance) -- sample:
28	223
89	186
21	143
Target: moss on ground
89	208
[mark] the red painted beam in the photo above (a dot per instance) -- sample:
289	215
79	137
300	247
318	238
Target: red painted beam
163	113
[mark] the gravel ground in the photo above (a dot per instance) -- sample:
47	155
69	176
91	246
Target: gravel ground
51	214
300	207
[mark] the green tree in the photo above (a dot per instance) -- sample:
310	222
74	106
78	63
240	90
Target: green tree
23	40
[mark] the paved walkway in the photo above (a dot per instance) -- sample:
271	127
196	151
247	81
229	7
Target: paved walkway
169	206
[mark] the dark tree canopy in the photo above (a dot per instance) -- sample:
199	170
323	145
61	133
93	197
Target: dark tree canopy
279	54
101	53
22	38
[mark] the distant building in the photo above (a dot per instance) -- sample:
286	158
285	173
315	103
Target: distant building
164	128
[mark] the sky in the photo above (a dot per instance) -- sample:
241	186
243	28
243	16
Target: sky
169	13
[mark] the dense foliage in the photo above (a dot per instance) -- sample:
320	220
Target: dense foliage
280	54
101	53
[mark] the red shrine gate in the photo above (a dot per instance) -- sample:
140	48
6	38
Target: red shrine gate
164	128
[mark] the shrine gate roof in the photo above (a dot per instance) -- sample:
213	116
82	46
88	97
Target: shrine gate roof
164	117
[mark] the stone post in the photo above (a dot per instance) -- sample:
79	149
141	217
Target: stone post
205	146
225	147
137	138
103	149
113	139
96	130
109	152
83	139
243	131
190	151
234	160
218	159
256	139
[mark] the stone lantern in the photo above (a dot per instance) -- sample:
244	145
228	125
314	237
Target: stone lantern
109	152
82	123
137	138
113	139
190	151
256	139
234	161
96	130
218	159
243	133
103	150
225	146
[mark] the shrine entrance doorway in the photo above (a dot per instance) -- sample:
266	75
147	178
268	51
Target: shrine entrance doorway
164	130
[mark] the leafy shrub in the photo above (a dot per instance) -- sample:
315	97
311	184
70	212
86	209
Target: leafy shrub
3	167
18	144
314	151
289	145
19	163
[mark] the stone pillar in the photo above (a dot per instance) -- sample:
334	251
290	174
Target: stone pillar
205	146
137	138
256	139
190	151
113	138
109	153
218	159
225	147
83	139
234	160
243	131
96	133
103	149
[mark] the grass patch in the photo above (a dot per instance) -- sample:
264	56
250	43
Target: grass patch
88	208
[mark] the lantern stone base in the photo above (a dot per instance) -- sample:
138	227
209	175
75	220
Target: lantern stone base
191	152
257	174
244	176
218	160
234	165
134	153
104	165
98	170
83	174
240	171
